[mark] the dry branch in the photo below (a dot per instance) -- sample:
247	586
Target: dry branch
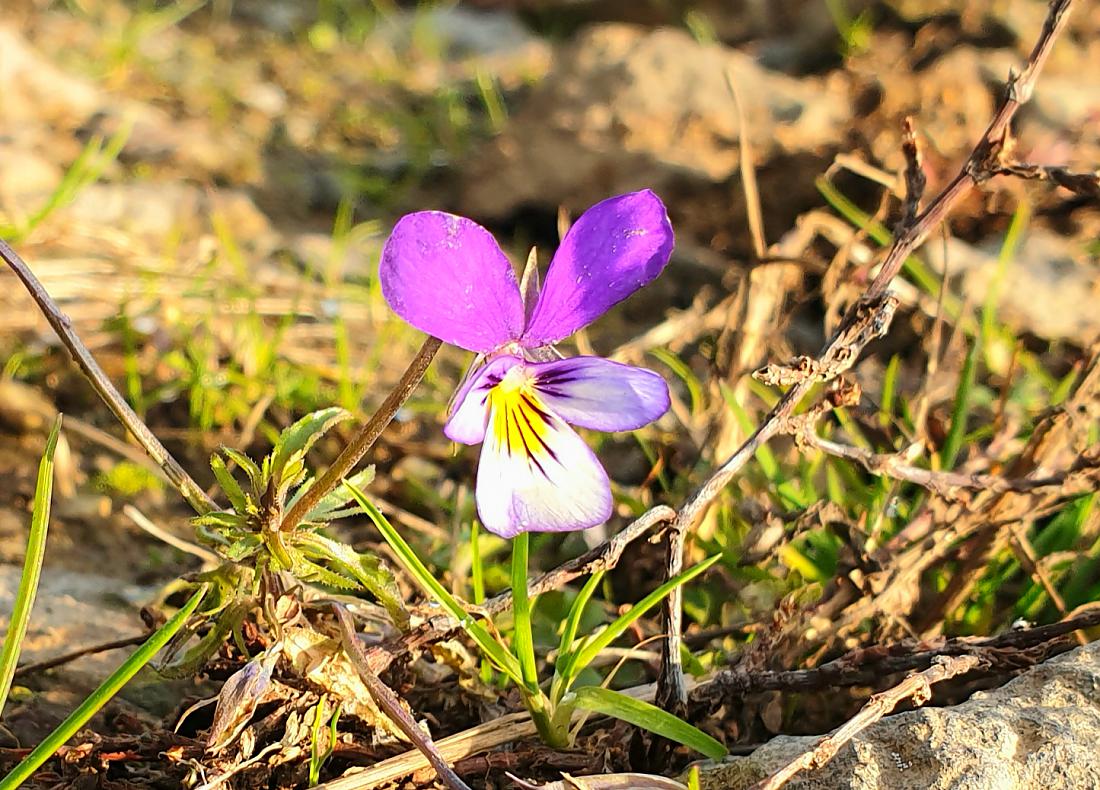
389	703
1010	651
868	318
601	558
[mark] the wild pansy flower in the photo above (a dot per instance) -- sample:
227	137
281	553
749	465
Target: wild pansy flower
447	276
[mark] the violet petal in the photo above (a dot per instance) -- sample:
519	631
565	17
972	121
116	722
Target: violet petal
447	276
592	392
612	250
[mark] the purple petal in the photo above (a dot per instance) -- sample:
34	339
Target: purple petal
592	392
470	405
615	248
446	276
536	474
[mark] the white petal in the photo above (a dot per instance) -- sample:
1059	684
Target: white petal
536	474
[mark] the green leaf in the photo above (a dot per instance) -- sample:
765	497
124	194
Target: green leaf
960	411
648	717
296	440
229	484
335	504
573	622
32	566
369	572
255	477
221	519
310	571
494	650
578	660
98	698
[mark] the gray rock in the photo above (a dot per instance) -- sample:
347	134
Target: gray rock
624	108
1050	287
1038	732
74	610
43	103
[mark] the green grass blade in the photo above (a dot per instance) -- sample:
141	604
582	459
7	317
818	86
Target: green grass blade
477	565
648	717
889	391
573	622
584	656
523	643
494	650
32	566
98	698
1005	258
961	410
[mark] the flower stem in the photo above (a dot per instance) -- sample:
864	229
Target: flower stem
365	438
523	644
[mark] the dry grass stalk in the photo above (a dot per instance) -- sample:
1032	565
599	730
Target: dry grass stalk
187	487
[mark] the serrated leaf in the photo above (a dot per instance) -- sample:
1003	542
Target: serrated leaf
648	717
335	504
241	549
369	572
310	571
229	485
222	519
299	437
245	463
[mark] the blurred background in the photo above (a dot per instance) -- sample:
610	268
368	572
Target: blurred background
204	186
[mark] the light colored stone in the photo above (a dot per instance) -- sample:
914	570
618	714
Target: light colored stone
625	108
1037	732
74	610
1049	289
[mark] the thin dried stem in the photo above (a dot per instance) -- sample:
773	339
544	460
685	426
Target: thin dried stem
175	473
1008	652
601	558
390	704
917	687
868	318
65	658
366	437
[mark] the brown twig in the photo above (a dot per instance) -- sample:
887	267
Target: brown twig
175	473
944	483
601	558
1008	651
868	318
1085	183
366	437
390	704
917	687
65	658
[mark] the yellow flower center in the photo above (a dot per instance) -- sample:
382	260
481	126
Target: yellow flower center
517	417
